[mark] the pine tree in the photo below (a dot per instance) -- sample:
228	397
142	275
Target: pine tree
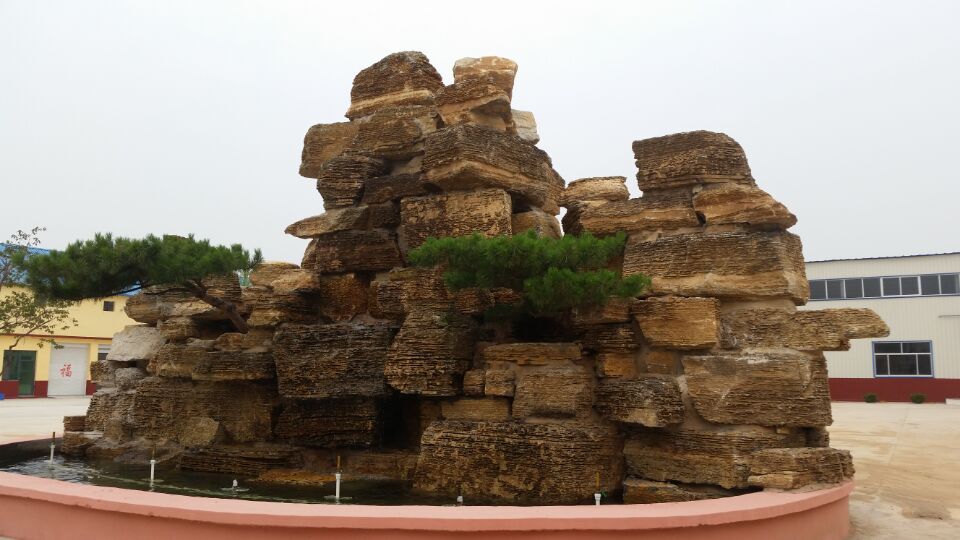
553	275
107	266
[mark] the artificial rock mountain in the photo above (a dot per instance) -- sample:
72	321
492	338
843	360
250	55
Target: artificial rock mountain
709	384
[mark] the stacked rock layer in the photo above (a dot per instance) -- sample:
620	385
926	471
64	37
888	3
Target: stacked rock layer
710	384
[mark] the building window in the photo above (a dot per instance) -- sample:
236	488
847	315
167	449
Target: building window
884	287
108	305
102	352
903	358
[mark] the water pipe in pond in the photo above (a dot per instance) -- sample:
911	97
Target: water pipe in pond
336	496
53	445
153	464
597	494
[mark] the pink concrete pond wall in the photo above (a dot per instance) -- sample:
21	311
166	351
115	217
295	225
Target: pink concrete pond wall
42	508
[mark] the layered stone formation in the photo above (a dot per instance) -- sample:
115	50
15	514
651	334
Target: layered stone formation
710	384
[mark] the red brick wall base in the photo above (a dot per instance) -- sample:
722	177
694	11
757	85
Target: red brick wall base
895	388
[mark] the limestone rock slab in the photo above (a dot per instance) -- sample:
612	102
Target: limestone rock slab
403	78
701	457
726	265
677	322
510	461
333	220
356	251
476	102
332	360
648	400
553	392
476	409
768	388
686	158
494	70
532	354
324	142
330	423
395	133
245	460
525	124
738	204
642	491
465	157
485	211
791	468
135	342
543	224
341	179
822	330
431	353
599	188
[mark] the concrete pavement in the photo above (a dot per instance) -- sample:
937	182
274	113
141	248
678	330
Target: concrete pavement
37	417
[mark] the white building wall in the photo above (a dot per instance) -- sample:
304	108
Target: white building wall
912	318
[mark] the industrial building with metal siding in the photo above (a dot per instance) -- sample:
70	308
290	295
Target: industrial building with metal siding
918	296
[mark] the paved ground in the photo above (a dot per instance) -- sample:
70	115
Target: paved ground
908	468
21	418
907	458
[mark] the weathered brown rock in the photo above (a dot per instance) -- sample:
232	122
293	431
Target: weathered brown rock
738	204
74	423
126	378
491	69
341	179
392	188
200	432
333	220
180	328
553	392
790	468
767	388
356	251
662	362
384	215
270	308
485	211
649	400
725	265
404	78
476	102
641	491
75	443
617	364
203	364
473	382
408	288
615	310
244	410
331	360
509	461
476	409
610	337
395	133
431	353
525	124
599	188
701	457
533	354
342	297
246	460
324	142
538	221
678	323
268	271
349	422
655	211
687	158
822	330
135	343
467	157
499	382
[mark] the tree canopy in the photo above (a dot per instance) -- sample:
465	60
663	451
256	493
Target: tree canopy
22	313
107	266
553	275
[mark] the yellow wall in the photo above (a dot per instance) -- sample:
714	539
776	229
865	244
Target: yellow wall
94	327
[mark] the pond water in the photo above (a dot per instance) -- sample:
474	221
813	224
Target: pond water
32	461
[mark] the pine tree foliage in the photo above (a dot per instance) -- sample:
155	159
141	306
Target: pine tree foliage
554	275
107	266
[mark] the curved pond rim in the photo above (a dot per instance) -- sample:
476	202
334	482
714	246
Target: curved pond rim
748	507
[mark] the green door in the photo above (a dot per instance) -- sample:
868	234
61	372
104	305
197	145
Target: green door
20	366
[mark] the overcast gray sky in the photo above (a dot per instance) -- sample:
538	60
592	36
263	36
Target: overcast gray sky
188	116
